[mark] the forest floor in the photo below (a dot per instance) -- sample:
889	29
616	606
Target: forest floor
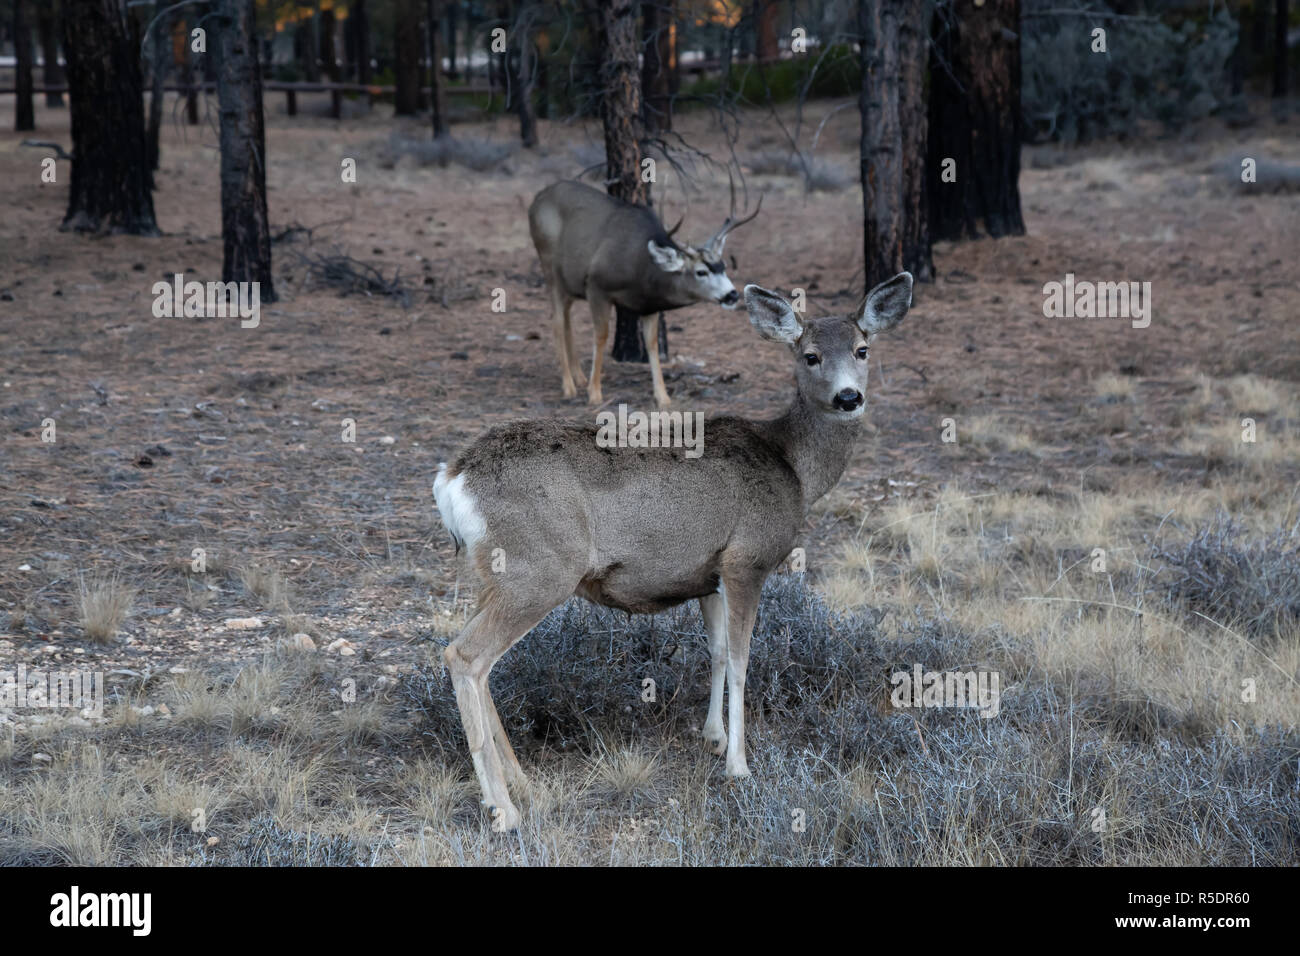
1072	434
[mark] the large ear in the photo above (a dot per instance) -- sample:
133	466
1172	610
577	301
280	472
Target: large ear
772	316
886	304
666	257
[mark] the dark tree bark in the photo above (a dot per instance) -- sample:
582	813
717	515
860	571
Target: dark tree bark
245	230
656	55
406	49
437	89
52	73
975	120
109	190
160	59
24	113
520	60
766	13
913	56
1281	18
449	11
329	63
359	18
187	74
881	148
620	111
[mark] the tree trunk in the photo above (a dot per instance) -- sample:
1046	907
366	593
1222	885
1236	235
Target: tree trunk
449	11
437	88
184	57
406	48
620	111
975	120
656	53
160	58
881	148
519	73
109	190
52	73
328	61
765	19
913	57
1281	18
245	231
24	113
359	17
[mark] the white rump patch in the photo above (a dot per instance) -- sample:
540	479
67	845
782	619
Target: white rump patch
458	508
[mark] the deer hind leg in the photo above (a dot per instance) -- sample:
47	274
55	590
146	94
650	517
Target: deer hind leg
600	321
650	332
742	595
713	607
575	364
489	634
560	304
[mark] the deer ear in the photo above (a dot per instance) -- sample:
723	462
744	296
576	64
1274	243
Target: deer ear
666	257
887	304
772	316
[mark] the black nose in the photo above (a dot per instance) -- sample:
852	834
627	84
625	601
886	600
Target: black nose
848	399
731	298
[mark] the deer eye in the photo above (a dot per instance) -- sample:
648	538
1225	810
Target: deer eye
701	271
863	352
812	358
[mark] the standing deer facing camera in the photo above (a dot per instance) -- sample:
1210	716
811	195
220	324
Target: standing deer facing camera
642	530
610	252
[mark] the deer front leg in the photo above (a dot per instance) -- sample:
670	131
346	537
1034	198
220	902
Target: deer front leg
742	607
600	322
713	607
650	333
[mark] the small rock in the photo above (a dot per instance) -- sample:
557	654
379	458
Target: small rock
145	711
298	642
178	670
42	758
387	440
164	710
243	623
345	647
213	841
24	567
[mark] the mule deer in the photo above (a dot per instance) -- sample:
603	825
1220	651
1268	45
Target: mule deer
610	252
643	530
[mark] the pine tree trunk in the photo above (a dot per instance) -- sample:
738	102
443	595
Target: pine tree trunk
24	113
328	61
245	231
620	111
656	53
187	75
109	191
52	73
519	74
881	148
1281	19
437	88
160	59
913	56
406	48
975	120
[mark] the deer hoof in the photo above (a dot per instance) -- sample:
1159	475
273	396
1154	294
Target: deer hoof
570	390
594	397
716	745
504	819
738	771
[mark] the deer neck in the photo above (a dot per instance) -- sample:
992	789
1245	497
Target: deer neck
816	445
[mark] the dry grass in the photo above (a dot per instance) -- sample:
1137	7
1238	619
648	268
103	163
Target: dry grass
105	604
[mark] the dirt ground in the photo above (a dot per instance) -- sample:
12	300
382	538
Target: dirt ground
177	434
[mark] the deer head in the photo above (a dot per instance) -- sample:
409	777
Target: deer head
832	354
700	271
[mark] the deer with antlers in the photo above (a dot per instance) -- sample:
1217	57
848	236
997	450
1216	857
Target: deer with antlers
614	253
546	510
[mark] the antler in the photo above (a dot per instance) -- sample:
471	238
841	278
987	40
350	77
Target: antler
676	227
719	239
